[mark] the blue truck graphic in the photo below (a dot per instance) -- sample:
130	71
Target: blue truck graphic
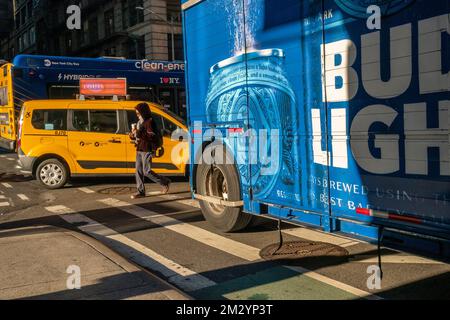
354	121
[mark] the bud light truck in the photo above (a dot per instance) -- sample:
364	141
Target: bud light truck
326	113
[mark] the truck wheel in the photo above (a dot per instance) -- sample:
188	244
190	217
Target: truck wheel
52	174
221	181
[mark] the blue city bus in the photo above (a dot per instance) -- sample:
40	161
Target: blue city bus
50	77
325	113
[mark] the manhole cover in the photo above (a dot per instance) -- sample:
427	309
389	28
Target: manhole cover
302	249
118	190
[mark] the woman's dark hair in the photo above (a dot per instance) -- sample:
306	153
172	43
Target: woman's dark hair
144	110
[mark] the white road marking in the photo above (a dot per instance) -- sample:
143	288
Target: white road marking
10	159
59	209
211	239
2	197
2	156
146	257
7	185
23	197
143	256
229	246
4	204
86	190
304	233
395	258
182	199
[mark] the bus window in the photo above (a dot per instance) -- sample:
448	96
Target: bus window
166	95
182	111
49	119
3	96
63	92
143	93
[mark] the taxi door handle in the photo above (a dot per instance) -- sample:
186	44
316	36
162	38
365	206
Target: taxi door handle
115	141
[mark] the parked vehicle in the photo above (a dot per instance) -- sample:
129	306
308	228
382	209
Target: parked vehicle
59	139
356	117
35	77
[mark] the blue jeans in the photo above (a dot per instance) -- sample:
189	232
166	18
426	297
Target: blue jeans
144	169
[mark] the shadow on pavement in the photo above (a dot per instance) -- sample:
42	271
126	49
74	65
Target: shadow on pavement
435	287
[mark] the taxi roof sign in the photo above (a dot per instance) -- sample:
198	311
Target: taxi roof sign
103	87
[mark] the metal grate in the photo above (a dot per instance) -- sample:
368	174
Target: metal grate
302	249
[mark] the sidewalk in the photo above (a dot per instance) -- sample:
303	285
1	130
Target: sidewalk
34	264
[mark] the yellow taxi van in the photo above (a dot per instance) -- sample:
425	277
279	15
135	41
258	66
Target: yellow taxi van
59	139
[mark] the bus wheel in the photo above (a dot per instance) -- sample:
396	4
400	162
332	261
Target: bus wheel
52	174
221	181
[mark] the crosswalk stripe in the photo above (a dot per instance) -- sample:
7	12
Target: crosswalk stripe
311	235
182	200
7	185
182	277
211	239
4	204
10	159
197	233
23	197
86	190
224	244
2	197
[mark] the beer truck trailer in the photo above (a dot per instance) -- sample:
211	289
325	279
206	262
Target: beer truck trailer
331	113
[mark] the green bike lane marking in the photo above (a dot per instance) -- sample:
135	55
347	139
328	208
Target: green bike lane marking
278	283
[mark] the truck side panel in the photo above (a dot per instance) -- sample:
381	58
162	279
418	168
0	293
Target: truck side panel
359	111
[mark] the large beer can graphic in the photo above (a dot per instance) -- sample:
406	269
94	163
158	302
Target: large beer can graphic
253	88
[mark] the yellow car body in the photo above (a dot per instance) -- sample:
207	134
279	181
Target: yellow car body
90	138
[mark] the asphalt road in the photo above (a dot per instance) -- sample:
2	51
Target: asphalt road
167	235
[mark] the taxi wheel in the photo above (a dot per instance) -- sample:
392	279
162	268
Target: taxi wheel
52	174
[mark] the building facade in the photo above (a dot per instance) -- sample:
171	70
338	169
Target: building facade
133	29
6	28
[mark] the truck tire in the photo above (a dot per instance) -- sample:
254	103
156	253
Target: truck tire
221	180
52	174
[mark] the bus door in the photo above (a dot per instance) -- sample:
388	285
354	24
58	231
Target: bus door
285	96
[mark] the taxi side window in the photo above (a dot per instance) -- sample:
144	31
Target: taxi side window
101	121
49	119
104	121
80	120
132	118
169	127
